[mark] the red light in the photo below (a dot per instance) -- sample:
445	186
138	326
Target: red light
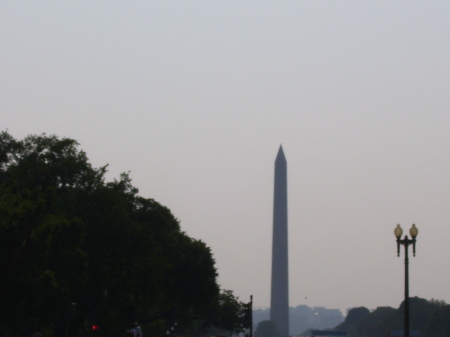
95	327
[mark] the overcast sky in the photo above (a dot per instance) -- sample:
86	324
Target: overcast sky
194	98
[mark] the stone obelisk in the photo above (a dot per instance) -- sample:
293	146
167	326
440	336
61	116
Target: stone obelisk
279	302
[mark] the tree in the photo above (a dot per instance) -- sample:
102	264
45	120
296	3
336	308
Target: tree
227	316
438	324
40	236
354	316
430	317
378	323
76	249
267	328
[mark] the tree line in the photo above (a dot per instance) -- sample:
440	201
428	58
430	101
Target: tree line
428	318
78	251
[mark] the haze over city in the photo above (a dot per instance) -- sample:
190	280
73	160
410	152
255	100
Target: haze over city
195	98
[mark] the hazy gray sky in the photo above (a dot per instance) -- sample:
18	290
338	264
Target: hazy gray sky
195	98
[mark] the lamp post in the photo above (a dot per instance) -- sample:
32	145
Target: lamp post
406	242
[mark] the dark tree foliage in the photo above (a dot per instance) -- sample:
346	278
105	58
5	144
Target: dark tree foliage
267	328
354	316
438	324
228	316
420	310
76	250
430	317
377	323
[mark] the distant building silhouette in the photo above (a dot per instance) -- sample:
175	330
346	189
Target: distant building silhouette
279	302
303	318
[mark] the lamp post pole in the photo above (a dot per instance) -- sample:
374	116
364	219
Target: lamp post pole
406	242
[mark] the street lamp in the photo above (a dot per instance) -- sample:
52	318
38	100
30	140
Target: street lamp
406	242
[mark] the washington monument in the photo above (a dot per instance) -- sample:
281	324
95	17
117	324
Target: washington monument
279	302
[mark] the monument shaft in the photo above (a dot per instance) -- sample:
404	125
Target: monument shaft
279	303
